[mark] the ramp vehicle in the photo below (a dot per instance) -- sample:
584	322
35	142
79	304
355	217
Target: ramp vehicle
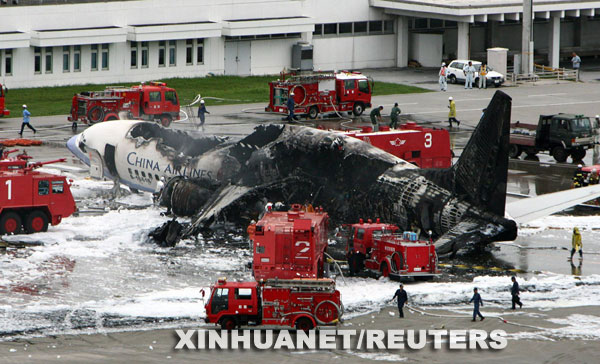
562	135
316	93
300	303
30	200
290	244
153	101
381	249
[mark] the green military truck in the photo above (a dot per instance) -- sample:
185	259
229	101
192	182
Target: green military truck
562	135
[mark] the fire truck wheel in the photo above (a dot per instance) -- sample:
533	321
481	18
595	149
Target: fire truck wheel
111	118
228	323
304	324
578	154
95	115
165	121
313	112
397	262
36	222
10	223
358	109
385	269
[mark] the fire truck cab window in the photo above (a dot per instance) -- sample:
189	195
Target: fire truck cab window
361	234
154	96
43	188
260	249
220	300
171	96
58	187
349	84
363	86
243	293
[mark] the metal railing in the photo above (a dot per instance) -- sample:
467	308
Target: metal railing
541	72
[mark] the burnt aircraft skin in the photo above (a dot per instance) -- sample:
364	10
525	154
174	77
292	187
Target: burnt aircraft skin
463	206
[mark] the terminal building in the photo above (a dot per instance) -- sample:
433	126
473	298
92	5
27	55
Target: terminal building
53	42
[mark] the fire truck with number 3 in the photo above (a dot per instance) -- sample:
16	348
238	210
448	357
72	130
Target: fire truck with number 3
30	200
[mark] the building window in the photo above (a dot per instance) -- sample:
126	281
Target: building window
189	52
94	57
200	51
105	56
161	53
388	26
172	53
134	55
360	27
48	54
345	28
66	58
330	29
77	58
375	26
8	62
37	63
318	29
144	54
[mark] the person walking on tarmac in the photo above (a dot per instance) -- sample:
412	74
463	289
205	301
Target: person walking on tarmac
476	299
576	244
394	116
452	112
469	71
402	299
514	292
26	117
443	80
291	103
201	113
375	116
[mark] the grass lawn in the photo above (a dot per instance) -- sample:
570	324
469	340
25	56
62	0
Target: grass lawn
45	101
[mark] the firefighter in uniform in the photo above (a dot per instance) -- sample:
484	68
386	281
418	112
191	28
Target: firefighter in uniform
394	116
251	229
376	117
578	178
290	105
402	299
593	177
576	244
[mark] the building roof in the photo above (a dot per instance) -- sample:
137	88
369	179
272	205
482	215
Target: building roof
484	10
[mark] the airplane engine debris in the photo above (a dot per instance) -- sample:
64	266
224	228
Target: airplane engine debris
463	205
168	234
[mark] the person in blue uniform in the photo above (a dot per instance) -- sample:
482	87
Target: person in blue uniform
402	299
514	292
290	105
476	299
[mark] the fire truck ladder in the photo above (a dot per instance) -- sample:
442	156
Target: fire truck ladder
301	284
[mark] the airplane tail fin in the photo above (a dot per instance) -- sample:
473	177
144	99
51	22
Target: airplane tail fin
481	171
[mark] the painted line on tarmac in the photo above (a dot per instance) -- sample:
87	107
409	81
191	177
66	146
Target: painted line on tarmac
482	268
544	95
514	107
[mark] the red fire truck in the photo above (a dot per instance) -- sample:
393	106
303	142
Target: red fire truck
30	199
321	93
300	303
151	101
290	244
423	147
3	110
378	248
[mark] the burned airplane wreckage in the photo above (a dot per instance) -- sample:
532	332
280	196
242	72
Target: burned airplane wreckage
463	206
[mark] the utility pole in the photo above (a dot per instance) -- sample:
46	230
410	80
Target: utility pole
527	38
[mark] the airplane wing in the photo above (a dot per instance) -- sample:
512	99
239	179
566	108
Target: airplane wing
529	209
468	232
